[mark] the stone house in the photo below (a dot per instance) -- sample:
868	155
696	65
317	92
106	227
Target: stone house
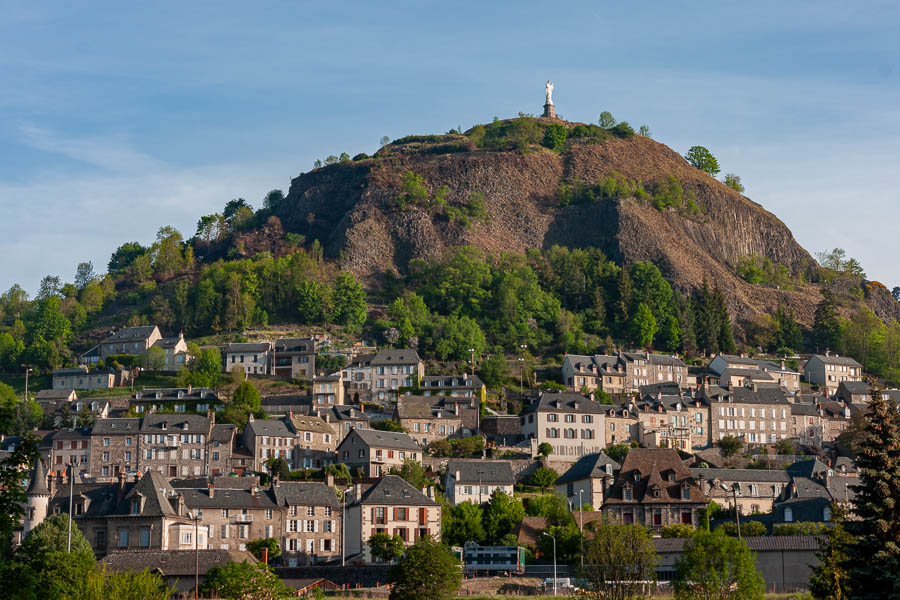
233	514
394	507
853	392
268	438
755	415
622	425
654	489
645	368
312	522
175	351
129	340
70	446
295	358
588	373
829	370
114	447
176	445
81	378
672	420
585	481
573	424
806	423
221	440
252	358
758	371
425	420
179	400
477	480
455	386
357	377
343	419
374	452
756	489
393	369
315	441
328	389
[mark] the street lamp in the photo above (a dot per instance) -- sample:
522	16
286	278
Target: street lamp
70	471
343	526
521	371
27	371
195	517
550	535
581	526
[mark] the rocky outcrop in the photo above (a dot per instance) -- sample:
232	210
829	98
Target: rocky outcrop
351	209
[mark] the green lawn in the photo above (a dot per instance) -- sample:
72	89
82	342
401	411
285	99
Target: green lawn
35	383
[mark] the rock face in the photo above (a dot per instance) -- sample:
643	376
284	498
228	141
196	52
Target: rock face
351	209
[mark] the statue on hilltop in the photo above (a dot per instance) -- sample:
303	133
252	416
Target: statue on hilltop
549	110
549	89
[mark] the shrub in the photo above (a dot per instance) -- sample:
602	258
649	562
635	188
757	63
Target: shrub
622	129
678	530
555	136
800	528
750	528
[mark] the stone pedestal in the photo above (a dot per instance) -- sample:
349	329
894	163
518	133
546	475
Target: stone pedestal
549	111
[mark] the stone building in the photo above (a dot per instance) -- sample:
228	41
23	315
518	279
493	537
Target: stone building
315	441
755	414
477	480
426	420
251	358
394	507
573	424
176	445
588	373
654	489
328	390
672	419
829	370
71	446
756	489
313	520
622	425
295	358
585	481
393	369
129	340
268	438
374	452
114	445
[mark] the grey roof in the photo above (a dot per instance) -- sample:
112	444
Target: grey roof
156	491
422	407
665	387
589	466
302	345
128	334
810	410
752	373
775	543
75	371
451	381
173	394
302	422
38	484
67	434
393	490
654	359
744	395
346	412
305	493
384	439
172	563
396	357
167	342
855	388
223	433
175	422
227	498
248	347
54	394
761	475
117	426
771	365
269	427
566	401
482	471
836	359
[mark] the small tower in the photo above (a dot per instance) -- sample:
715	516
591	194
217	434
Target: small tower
38	495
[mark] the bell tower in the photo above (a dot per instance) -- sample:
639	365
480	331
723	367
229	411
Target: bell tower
38	494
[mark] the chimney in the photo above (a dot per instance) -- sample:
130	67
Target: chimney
329	480
782	364
51	483
430	492
606	482
702	486
357	491
190	388
457	476
275	482
250	418
211	489
179	505
290	415
827	352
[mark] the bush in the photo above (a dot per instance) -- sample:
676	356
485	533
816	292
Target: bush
800	528
678	530
555	136
750	528
622	129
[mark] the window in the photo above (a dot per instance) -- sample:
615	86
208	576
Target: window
310	511
788	515
311	526
187	537
106	441
268	513
136	506
123	538
327	511
627	494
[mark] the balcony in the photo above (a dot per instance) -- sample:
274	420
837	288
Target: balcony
243	518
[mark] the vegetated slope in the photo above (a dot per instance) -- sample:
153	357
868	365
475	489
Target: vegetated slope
352	209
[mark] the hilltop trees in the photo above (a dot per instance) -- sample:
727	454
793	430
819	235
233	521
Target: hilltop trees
702	159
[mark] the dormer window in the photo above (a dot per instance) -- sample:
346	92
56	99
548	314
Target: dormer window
180	394
685	492
637	476
655	491
136	506
627	494
671	476
158	395
137	396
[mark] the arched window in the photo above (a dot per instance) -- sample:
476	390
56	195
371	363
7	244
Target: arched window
788	515
826	514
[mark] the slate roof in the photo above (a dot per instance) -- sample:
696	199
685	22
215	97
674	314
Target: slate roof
385	439
501	425
497	472
172	394
655	359
763	543
227	498
175	423
396	357
805	409
305	493
546	402
117	426
38	484
156	491
311	423
256	347
172	563
644	468
167	342
392	490
589	466
75	371
670	388
854	388
835	359
751	373
269	427
744	395
760	475
451	381
130	334
53	395
300	345
223	433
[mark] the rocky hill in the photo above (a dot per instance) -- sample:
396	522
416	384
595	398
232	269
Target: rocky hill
362	211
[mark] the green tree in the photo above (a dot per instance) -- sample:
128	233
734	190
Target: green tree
463	524
702	159
388	425
828	580
717	566
502	514
618	560
552	507
677	530
645	131
734	182
622	129
543	478
643	326
272	201
155	359
617	452
606	120
494	369
554	136
427	571
84	274
246	397
788	333
278	467
873	565
458	335
348	302
545	449
43	552
124	255
568	543
257	546
385	547
413	473
730	445
13	472
785	447
826	325
104	583
245	580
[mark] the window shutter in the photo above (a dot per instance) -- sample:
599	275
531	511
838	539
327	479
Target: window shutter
395	513
315	526
373	514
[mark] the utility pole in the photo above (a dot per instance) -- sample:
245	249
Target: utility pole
737	510
472	351
549	535
581	526
196	518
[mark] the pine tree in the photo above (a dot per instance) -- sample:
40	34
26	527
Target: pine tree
788	334
873	565
723	321
826	326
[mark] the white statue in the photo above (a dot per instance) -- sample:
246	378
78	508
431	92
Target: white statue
549	89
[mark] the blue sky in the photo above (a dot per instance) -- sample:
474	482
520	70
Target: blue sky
118	118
